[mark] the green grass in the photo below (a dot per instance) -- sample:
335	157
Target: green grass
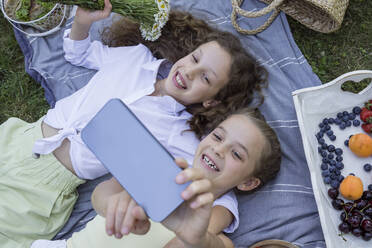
20	95
330	55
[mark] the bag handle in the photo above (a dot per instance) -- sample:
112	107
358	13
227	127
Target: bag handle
273	6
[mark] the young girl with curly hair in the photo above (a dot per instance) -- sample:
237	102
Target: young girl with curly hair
241	153
42	163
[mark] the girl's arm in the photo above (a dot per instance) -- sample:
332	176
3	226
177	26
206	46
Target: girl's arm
190	222
220	219
84	19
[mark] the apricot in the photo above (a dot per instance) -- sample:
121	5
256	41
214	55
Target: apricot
351	188
361	145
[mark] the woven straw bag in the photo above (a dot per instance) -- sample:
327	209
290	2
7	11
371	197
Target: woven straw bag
320	15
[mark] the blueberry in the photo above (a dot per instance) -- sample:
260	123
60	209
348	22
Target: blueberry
331	148
330	156
329	132
352	174
325	160
327	180
367	167
370	187
339	165
337	172
348	123
324	146
345	118
323	154
345	113
321	125
339	115
319	134
331	121
338	151
339	158
346	142
332	137
324	166
335	184
337	121
356	123
332	169
333	176
332	162
352	116
340	178
326	173
342	125
327	127
357	110
325	121
321	141
320	149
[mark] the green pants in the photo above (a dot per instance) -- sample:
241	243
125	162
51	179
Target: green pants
36	195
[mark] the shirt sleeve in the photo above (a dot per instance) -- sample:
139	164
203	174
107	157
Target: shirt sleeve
230	202
94	54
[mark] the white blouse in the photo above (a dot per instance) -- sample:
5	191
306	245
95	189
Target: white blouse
128	73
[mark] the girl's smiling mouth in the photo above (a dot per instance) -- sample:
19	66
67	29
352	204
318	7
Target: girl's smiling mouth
179	81
209	163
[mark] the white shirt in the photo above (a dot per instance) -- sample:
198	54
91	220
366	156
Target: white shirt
128	73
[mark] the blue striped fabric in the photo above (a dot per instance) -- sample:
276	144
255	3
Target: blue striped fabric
283	209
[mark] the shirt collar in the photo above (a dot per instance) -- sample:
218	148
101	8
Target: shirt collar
161	68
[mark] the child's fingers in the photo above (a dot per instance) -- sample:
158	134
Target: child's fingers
142	224
202	200
110	215
129	219
189	174
121	212
181	162
196	187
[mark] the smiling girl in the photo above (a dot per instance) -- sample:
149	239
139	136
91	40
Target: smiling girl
42	163
241	153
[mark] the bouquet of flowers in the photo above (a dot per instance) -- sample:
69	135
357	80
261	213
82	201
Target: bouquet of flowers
151	14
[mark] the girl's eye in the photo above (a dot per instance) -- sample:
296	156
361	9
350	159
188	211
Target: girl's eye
217	137
194	58
237	155
206	79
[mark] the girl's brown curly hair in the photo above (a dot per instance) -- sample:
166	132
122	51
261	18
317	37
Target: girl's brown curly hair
182	34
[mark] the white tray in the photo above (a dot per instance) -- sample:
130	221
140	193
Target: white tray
312	106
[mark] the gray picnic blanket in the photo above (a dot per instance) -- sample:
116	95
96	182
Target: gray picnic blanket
283	209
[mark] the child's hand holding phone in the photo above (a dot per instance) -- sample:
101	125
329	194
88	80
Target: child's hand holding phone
191	219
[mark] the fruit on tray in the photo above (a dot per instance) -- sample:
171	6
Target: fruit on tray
351	188
366	116
361	145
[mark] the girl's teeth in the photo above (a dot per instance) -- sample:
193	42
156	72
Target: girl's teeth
179	81
210	163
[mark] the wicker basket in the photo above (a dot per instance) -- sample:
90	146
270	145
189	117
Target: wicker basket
320	15
45	25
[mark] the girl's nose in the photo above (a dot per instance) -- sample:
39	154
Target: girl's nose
191	72
219	150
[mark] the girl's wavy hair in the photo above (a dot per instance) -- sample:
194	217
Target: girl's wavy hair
268	164
182	34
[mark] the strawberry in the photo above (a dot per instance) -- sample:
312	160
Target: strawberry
368	105
366	115
367	127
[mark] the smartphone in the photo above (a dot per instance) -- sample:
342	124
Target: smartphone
135	158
